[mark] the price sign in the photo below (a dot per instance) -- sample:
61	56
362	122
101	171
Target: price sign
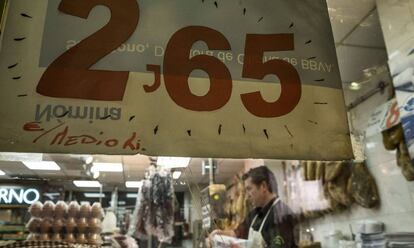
188	78
384	117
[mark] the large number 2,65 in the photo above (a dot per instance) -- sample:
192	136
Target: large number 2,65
70	76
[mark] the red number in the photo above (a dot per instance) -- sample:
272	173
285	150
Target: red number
178	67
157	78
69	75
254	67
393	115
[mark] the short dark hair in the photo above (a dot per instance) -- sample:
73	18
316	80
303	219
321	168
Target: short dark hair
262	174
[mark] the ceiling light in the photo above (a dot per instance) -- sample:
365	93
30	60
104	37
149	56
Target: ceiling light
16	156
52	196
107	167
94	195
355	86
95	174
133	184
132	195
173	162
87	184
89	160
176	174
2	173
42	165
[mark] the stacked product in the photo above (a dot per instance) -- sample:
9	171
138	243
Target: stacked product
400	240
155	215
373	240
372	234
60	222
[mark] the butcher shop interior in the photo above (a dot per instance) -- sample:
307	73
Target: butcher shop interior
135	199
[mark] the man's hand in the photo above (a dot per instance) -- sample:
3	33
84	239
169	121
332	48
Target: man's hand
219	232
211	236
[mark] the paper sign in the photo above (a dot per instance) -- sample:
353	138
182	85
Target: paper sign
384	117
404	89
398	29
189	78
3	8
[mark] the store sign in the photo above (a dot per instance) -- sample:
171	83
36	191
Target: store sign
18	195
384	117
172	78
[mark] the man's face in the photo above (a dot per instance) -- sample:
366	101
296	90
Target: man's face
254	192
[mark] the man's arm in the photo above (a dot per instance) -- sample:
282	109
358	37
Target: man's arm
240	232
230	233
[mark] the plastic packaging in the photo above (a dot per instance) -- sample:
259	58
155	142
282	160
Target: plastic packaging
61	209
33	237
81	239
45	225
70	238
48	209
95	225
35	209
82	225
34	225
94	239
73	209
85	210
97	211
57	225
70	225
44	237
57	237
109	222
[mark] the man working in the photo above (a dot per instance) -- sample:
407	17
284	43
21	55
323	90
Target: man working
271	223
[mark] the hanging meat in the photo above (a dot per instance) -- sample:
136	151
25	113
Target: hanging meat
320	171
311	170
333	170
237	204
304	167
156	209
338	187
333	204
392	137
363	186
404	161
